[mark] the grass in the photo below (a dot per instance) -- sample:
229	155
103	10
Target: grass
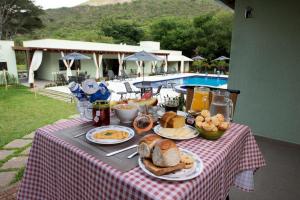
21	112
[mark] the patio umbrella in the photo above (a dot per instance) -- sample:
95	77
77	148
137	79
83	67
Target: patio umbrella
198	58
75	56
222	58
72	57
143	56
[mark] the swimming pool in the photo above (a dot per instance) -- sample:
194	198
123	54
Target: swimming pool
189	80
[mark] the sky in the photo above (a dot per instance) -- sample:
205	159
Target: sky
45	4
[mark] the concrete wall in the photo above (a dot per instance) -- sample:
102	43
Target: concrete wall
265	66
7	54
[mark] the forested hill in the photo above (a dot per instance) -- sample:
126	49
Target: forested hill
84	22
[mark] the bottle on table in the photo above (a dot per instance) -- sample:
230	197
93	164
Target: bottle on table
101	113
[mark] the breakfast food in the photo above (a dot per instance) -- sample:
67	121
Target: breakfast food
187	160
159	171
111	134
176	122
205	113
125	107
177	133
165	153
146	145
166	118
171	120
224	126
143	123
211	123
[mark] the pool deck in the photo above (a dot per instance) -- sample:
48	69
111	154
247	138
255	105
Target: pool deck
118	86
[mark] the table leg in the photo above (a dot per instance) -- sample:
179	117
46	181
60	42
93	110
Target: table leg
227	198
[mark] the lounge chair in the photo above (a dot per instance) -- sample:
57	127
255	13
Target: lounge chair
129	90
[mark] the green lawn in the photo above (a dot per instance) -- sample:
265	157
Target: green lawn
21	112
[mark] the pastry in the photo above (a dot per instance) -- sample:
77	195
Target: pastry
220	117
165	153
215	120
187	160
224	126
205	113
146	145
176	122
166	118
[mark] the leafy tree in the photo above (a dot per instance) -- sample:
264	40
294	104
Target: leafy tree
122	31
18	16
174	33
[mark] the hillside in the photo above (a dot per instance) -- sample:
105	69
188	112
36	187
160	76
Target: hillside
103	2
84	22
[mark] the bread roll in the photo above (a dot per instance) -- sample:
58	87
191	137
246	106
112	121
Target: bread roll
166	118
165	154
146	145
176	122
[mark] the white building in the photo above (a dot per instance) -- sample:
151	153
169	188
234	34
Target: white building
8	58
44	57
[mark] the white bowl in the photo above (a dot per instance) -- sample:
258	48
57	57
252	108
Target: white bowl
126	115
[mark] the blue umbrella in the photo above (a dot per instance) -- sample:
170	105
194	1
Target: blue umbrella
143	56
222	58
75	56
198	58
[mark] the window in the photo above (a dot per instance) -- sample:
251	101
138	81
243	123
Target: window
3	65
76	65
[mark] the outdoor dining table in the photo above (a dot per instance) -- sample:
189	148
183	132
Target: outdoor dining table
58	168
144	88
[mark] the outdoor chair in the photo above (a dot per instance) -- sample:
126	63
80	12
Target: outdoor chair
129	90
111	75
157	93
172	70
72	79
61	79
124	75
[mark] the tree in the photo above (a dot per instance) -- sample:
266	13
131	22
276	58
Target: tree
122	31
174	33
18	16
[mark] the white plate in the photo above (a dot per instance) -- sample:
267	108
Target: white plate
196	133
181	175
90	134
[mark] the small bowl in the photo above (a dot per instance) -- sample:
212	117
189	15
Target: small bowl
126	113
209	135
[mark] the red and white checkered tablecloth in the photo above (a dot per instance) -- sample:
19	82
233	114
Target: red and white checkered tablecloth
58	170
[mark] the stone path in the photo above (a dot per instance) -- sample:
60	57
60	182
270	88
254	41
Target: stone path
13	158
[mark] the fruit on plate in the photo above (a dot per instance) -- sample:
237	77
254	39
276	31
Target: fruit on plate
143	123
211	127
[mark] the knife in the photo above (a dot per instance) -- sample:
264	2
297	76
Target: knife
132	155
121	150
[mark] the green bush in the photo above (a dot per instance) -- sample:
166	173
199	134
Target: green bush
10	78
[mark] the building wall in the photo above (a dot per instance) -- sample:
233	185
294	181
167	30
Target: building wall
265	66
50	64
7	54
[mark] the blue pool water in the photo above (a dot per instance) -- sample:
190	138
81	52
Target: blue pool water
191	80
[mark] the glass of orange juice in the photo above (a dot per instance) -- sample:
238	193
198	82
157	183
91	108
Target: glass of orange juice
200	99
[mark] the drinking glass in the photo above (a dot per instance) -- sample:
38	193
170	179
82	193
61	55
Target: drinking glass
200	99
